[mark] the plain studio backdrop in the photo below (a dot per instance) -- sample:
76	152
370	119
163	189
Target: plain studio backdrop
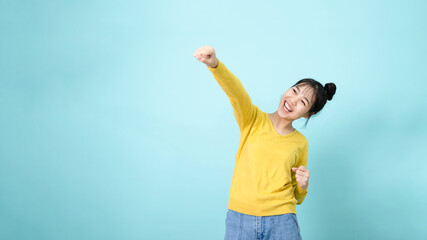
111	129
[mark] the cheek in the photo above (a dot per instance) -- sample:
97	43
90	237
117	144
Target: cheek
303	109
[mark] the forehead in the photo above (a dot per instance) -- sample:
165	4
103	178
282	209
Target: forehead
306	90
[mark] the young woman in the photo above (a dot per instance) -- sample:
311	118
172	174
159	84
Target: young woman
270	176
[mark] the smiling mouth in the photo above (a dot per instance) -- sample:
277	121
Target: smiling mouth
284	107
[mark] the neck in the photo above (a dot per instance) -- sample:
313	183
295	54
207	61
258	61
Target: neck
281	123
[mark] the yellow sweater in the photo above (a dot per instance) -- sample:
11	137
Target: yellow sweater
263	182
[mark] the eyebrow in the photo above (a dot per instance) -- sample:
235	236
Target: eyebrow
304	97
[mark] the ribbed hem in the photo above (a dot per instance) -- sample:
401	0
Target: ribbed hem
260	211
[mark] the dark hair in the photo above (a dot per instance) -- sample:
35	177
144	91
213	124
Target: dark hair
321	93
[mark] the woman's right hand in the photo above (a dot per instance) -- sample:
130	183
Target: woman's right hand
206	55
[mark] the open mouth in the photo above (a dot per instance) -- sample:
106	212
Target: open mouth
286	107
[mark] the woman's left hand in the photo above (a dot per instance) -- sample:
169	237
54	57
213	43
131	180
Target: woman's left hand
302	174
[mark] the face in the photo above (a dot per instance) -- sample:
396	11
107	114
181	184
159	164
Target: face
299	99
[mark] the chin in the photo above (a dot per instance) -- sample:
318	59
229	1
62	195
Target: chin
284	115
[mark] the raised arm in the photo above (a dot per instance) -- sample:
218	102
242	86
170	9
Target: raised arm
244	111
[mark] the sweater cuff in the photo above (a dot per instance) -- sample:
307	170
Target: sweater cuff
218	67
301	190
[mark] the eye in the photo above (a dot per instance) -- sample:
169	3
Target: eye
294	90
303	102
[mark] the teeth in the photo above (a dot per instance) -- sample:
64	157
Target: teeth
286	110
287	107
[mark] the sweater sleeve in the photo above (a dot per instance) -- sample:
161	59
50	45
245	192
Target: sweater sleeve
299	192
244	110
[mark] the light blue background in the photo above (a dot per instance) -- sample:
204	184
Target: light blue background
111	129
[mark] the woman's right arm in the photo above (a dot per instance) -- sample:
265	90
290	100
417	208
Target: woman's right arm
244	111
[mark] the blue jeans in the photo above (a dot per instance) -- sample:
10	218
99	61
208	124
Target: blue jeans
239	226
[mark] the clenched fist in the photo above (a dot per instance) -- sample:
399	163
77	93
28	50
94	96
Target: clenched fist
206	55
302	174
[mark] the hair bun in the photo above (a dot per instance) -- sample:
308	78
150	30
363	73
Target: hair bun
330	89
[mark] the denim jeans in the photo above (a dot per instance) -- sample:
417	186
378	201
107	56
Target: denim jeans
239	226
